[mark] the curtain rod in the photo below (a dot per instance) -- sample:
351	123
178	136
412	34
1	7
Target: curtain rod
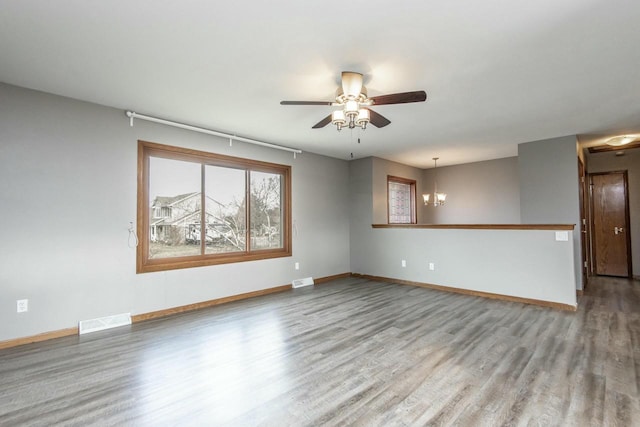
133	115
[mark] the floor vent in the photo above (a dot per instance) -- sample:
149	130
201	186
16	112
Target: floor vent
102	323
298	283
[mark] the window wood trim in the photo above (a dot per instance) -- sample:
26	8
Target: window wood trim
414	205
149	149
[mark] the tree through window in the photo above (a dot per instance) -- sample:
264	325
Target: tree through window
197	208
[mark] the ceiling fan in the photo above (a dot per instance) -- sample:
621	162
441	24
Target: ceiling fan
354	102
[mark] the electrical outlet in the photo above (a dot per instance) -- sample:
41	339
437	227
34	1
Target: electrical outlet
22	305
404	263
297	266
432	266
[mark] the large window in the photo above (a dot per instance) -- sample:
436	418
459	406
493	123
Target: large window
197	208
401	194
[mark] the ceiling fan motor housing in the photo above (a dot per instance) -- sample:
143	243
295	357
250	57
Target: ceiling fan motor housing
361	98
351	84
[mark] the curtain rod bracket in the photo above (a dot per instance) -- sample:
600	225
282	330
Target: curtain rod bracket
130	115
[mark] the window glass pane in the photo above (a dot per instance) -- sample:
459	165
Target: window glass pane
265	210
205	209
174	201
225	209
400	203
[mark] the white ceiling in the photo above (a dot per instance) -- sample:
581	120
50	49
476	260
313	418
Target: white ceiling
497	72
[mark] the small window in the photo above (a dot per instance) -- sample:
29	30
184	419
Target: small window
401	200
161	211
197	208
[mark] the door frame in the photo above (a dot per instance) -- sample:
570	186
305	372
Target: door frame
584	226
627	219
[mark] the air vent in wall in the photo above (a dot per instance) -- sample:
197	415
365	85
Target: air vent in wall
298	283
102	323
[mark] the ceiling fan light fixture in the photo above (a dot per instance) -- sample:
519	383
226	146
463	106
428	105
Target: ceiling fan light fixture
351	108
338	119
617	141
364	117
351	112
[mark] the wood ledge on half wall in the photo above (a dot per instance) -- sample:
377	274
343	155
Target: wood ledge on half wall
481	226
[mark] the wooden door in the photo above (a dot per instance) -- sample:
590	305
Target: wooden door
610	234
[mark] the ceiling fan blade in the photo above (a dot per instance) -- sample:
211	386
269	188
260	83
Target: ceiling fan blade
377	120
351	84
400	98
306	103
322	123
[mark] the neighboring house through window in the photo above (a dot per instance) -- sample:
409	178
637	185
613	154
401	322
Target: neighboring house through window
197	208
401	194
160	211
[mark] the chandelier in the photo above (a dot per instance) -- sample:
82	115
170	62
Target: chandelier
438	198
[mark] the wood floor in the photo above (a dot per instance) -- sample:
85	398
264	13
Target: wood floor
351	352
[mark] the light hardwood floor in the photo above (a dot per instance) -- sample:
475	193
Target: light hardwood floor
350	352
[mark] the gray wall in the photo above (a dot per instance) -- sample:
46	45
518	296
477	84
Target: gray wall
477	193
68	188
527	264
606	162
521	263
549	187
360	207
538	186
